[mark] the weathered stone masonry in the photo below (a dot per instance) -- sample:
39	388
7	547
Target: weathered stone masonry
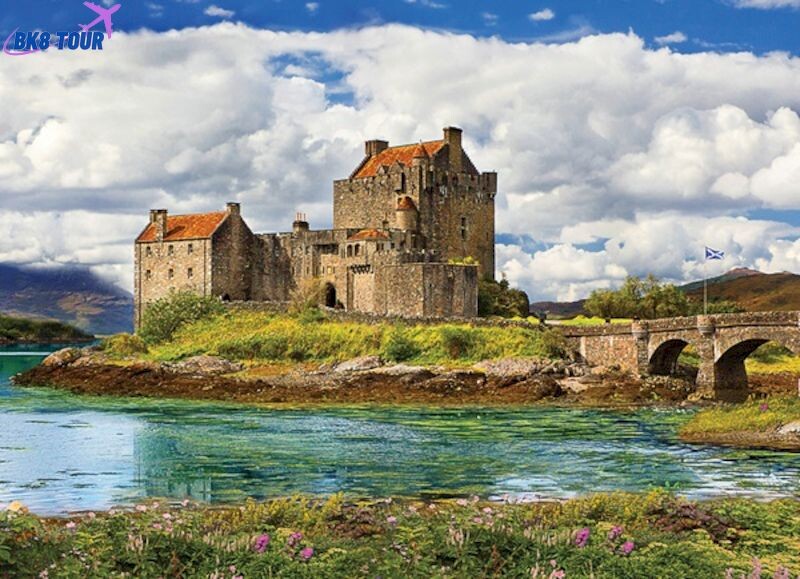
722	342
402	223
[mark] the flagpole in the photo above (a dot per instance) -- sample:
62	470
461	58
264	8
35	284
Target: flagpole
705	287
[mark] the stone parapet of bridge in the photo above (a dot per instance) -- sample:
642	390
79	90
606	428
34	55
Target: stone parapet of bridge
722	343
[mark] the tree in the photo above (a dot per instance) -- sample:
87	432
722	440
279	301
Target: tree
498	298
639	298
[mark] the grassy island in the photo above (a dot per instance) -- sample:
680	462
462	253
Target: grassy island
15	329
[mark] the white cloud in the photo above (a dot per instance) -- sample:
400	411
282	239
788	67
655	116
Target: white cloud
766	4
613	157
216	11
489	18
542	15
312	7
427	4
676	37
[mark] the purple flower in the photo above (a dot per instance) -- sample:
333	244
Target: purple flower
627	547
764	407
261	543
294	539
582	537
392	520
614	533
306	553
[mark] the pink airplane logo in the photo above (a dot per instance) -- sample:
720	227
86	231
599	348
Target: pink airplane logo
104	16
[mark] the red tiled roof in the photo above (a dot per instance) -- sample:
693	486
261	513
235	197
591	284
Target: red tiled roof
406	203
368	235
403	154
196	226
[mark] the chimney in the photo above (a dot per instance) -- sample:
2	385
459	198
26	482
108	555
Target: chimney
233	208
300	223
372	148
452	136
159	218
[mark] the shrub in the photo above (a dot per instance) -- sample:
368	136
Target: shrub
164	317
457	342
123	345
498	298
399	346
554	344
308	295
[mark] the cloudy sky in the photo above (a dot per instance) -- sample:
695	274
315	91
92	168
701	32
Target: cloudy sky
626	134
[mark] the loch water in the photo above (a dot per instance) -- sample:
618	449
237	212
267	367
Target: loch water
61	453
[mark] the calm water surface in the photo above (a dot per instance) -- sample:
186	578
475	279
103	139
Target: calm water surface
60	452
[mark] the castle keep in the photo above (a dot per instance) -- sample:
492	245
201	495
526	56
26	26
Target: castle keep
402	223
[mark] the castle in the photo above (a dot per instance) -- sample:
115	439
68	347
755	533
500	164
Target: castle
404	223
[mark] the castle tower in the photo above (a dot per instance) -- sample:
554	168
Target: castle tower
407	216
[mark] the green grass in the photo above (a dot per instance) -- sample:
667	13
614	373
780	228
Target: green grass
667	537
587	321
261	337
754	416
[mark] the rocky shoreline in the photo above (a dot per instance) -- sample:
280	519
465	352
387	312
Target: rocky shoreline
366	380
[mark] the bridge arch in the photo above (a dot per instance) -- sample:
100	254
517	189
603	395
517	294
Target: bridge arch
663	358
732	348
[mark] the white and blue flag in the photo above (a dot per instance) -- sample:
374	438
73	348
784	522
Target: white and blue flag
714	254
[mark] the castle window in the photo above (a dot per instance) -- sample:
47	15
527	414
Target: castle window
349	251
170	250
385	224
357	249
190	273
190	249
148	251
171	273
463	228
148	274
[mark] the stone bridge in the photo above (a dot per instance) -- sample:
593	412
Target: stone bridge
721	341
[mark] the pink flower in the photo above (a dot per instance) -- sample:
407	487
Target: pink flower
167	516
91	515
582	537
462	502
157	526
294	539
261	543
764	407
614	533
392	520
185	503
627	547
71	525
487	510
306	553
141	508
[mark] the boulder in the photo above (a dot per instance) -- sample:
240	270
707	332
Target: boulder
361	364
63	357
790	428
510	368
205	365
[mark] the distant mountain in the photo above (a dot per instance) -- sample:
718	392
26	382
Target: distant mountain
752	290
73	295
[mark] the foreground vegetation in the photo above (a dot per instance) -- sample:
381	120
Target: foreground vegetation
13	329
653	535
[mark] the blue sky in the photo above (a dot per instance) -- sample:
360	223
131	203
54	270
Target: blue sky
627	134
707	24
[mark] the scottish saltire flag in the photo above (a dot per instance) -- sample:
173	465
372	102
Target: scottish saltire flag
714	253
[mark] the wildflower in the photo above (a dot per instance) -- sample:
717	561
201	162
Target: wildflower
295	539
764	407
232	568
185	503
392	520
487	510
614	533
781	573
44	574
141	508
477	520
157	526
71	525
15	507
757	569
627	547
306	553
582	537
167	516
462	502
261	543
558	574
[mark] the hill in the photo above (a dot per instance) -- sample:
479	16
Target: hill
753	290
73	295
14	330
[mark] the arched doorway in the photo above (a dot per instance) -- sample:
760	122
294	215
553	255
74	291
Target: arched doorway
330	295
664	360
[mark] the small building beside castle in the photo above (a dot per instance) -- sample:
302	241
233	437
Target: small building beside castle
404	223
